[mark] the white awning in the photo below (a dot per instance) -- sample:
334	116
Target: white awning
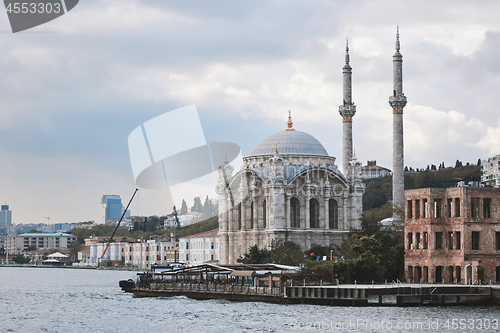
57	255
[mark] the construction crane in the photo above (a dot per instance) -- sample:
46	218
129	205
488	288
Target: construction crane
48	219
118	224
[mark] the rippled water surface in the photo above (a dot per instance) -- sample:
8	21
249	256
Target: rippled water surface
72	300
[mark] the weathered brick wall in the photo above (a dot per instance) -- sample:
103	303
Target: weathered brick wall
461	254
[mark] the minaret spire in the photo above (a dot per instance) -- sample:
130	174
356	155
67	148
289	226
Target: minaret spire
347	111
397	102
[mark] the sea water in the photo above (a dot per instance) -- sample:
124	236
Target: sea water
83	300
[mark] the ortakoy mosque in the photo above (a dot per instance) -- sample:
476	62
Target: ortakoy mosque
288	189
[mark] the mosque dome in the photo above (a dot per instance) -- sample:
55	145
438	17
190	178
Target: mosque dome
290	142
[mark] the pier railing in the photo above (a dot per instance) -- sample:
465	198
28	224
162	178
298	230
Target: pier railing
212	288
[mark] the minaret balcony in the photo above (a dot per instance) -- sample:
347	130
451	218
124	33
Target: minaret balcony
397	102
347	110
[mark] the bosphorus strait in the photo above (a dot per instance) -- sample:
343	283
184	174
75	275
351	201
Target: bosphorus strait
74	300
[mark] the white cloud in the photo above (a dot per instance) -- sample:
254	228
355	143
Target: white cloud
490	141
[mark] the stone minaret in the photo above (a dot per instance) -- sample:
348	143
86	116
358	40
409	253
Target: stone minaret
397	102
347	111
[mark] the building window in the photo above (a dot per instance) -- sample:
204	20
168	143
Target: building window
458	240
314	213
486	208
123	249
147	248
212	245
437	208
147	258
251	215
409	237
129	257
264	213
439	273
450	240
417	209
449	207
333	214
187	245
439	240
475	207
239	216
409	208
187	257
475	240
457	207
417	240
295	212
426	209
426	241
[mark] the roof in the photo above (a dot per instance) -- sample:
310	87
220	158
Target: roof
211	233
290	143
85	249
373	167
43	234
174	249
57	255
116	239
242	273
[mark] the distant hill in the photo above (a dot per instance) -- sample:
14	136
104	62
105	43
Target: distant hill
378	191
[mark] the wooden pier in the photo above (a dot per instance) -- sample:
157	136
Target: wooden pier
341	295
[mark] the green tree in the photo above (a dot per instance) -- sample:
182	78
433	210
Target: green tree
20	260
30	248
287	253
74	249
197	205
184	208
208	208
255	256
317	250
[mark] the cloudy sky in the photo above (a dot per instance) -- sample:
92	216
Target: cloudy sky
72	90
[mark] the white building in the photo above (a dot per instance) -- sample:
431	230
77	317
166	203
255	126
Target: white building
140	254
491	171
16	244
199	248
372	170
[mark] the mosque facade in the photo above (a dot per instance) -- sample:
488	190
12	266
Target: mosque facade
290	189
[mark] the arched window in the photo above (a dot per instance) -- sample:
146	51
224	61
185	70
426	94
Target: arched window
314	213
333	214
239	216
251	215
264	213
295	213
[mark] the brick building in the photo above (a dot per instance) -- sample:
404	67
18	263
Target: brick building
452	234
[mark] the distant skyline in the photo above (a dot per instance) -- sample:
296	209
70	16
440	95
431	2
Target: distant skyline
73	89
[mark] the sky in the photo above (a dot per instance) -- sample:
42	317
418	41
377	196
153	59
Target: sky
73	89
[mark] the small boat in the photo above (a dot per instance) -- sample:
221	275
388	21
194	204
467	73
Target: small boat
127	285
